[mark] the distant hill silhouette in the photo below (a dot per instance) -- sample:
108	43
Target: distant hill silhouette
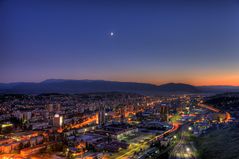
219	89
86	86
178	87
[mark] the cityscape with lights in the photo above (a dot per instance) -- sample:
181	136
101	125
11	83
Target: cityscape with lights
119	79
108	125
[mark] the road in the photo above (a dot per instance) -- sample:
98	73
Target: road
209	107
184	149
145	145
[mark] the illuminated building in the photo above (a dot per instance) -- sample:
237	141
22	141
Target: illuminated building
32	150
6	127
6	148
119	130
39	125
57	120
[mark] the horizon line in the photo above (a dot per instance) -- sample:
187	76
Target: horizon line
157	84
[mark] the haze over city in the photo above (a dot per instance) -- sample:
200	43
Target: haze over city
194	42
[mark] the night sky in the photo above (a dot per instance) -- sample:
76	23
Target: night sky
194	42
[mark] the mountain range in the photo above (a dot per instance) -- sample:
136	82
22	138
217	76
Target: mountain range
89	86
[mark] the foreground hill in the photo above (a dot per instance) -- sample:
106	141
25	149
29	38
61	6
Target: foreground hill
225	101
217	145
86	86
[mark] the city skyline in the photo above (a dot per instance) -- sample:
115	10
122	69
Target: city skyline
148	42
119	79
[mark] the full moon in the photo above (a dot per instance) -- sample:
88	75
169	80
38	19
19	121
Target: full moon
111	34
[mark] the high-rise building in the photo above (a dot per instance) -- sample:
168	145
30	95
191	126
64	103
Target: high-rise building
57	120
53	108
26	115
164	113
122	115
50	107
58	108
101	116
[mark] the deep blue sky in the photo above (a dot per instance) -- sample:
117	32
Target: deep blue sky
155	41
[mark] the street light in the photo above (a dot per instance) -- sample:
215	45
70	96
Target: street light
189	128
175	137
187	149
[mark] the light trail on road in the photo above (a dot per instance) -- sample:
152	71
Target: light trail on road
174	128
86	122
209	107
130	152
228	117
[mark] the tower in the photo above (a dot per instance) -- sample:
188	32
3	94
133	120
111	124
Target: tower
58	107
122	115
164	113
101	116
50	108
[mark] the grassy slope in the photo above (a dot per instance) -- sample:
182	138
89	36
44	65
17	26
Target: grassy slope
219	144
